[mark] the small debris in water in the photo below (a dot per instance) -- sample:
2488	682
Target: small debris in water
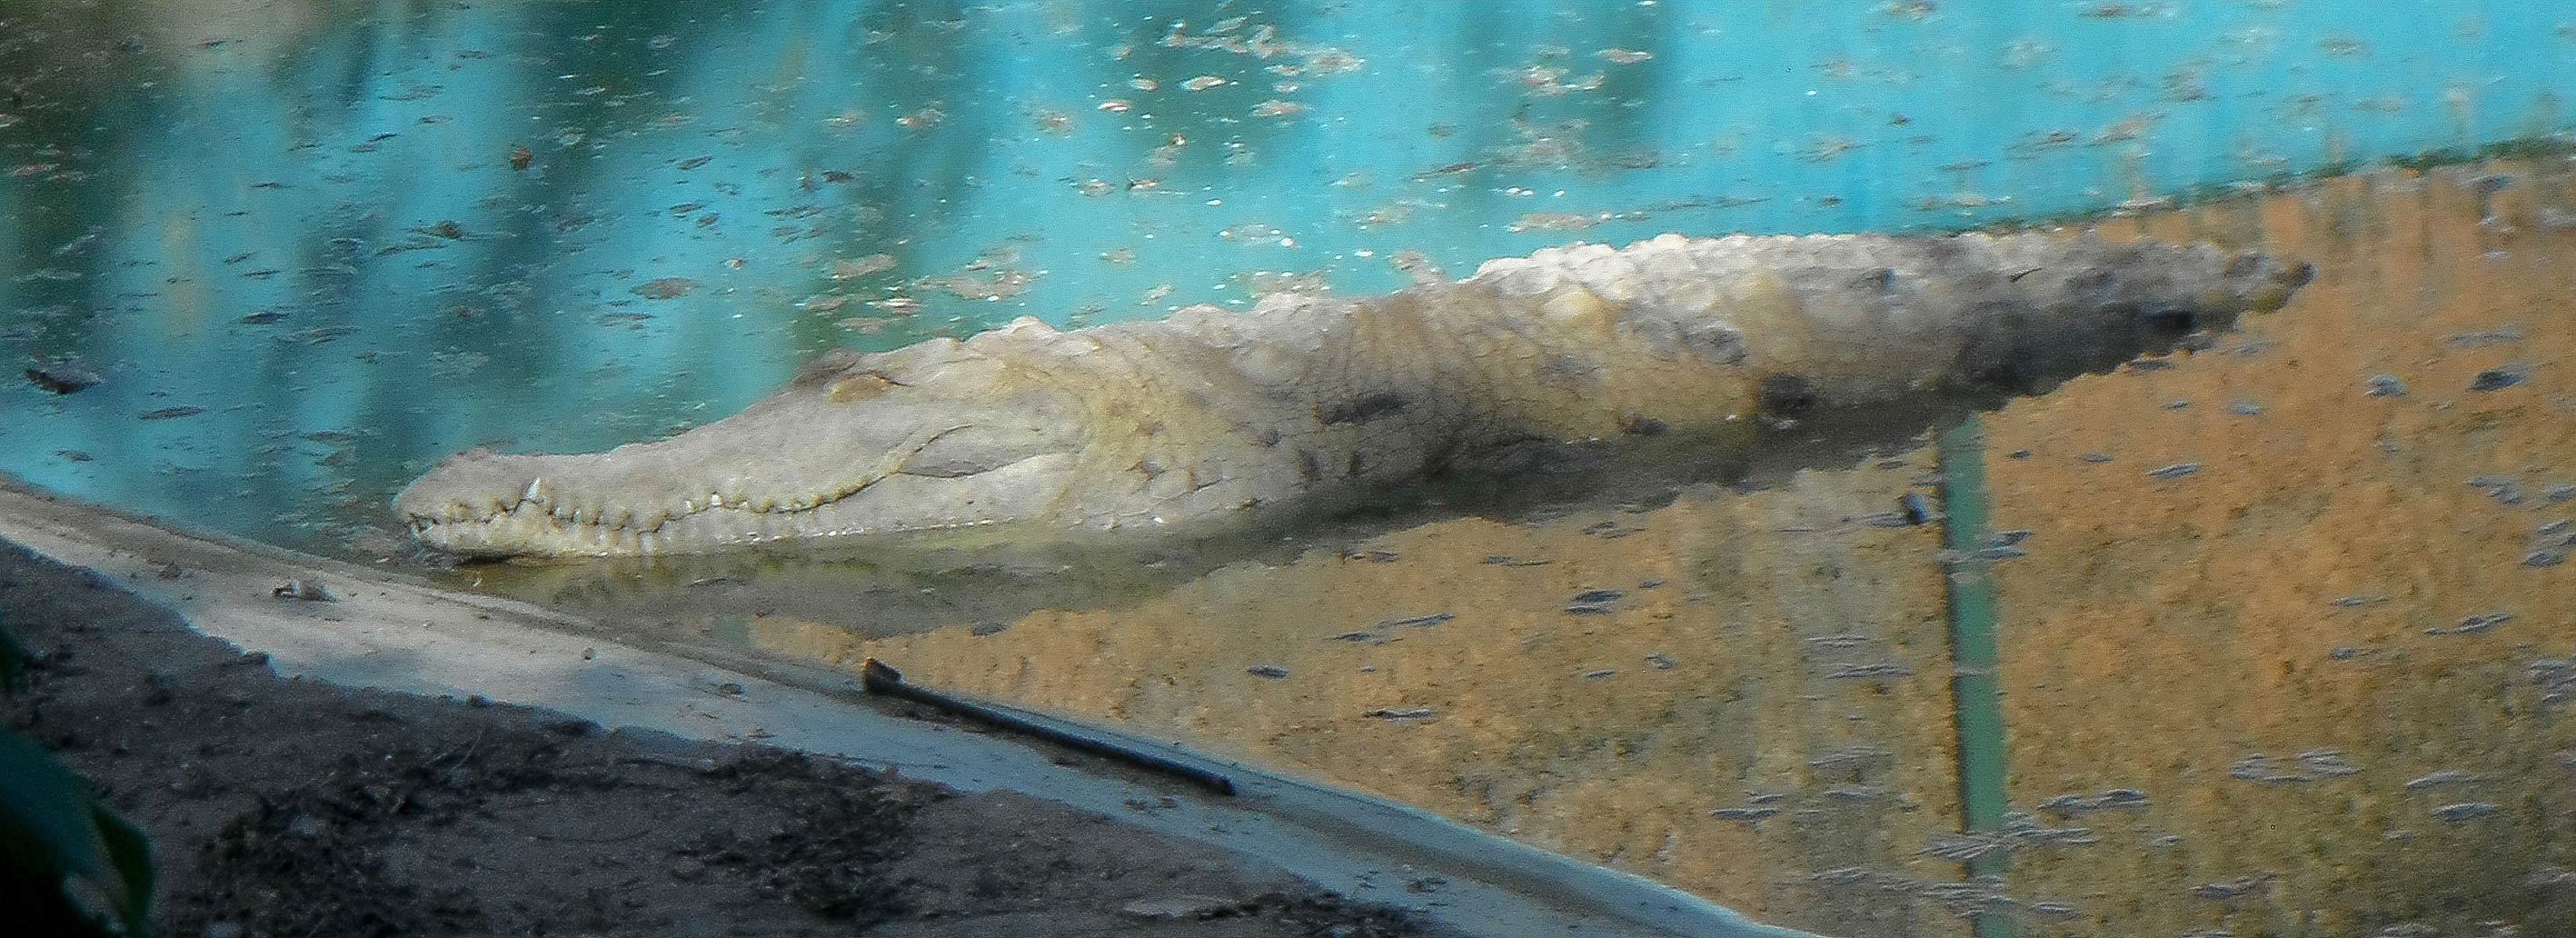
2464	811
2069	805
2497	487
2094	457
1961	848
1607	530
63	379
1507	560
1588	609
1660	662
1847	756
2244	408
2237	888
1598	674
167	413
2257	767
2550	877
1266	670
2499	378
1840	876
1387	713
2385	386
1746	815
1915	509
848	269
1596	596
2500	336
1874	670
2445	777
2481	622
1416	622
664	288
2174	471
2327	762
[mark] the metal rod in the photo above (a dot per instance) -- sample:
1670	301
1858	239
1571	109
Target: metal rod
882	679
1976	701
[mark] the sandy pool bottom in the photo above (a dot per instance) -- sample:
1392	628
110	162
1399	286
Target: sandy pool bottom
2314	686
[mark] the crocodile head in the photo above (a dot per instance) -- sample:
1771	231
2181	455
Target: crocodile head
856	444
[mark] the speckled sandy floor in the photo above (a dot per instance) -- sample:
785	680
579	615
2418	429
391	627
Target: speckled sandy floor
1762	712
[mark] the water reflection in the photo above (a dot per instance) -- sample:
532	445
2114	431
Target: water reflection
358	236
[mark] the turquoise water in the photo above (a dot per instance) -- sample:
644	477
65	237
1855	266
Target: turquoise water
304	219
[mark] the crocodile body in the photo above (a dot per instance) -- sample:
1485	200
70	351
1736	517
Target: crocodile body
1188	421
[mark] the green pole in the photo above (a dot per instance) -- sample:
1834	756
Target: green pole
1975	698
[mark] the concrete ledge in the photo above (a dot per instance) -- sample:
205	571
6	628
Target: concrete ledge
392	632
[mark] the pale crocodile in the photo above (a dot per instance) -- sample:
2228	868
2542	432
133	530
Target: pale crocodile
1304	400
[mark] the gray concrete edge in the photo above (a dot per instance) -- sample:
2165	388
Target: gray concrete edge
392	632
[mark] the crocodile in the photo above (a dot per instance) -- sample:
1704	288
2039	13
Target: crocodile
1208	416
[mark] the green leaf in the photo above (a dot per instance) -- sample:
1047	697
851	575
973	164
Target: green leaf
50	828
130	850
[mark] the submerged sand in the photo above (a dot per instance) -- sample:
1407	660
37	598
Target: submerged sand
2267	650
